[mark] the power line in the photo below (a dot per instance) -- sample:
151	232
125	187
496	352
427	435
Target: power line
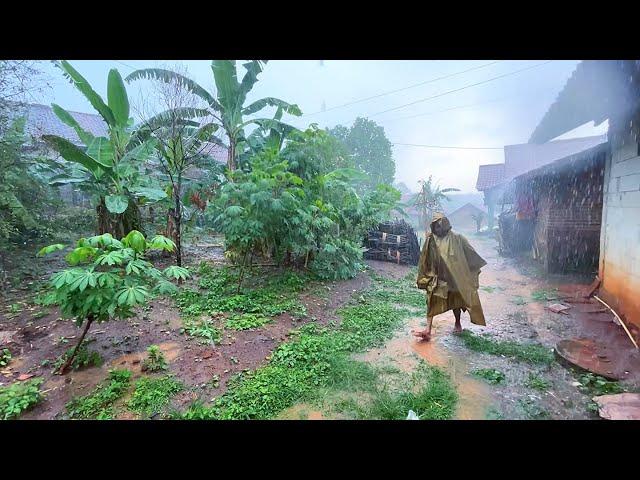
447	147
461	88
454	108
128	66
402	89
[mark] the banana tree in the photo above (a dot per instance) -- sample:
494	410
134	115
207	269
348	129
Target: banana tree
227	104
430	198
110	167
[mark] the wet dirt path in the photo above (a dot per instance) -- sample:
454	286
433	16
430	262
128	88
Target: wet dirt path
512	314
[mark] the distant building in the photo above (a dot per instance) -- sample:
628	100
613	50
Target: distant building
463	217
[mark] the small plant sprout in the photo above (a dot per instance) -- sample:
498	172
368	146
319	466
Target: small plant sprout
155	361
107	279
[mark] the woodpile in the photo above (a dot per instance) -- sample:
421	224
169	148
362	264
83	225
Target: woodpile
393	241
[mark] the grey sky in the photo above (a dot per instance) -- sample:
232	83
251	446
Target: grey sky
508	108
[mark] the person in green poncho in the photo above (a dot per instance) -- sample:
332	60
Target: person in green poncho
449	270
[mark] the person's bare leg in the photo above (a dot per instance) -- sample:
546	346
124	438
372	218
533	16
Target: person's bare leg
457	327
426	333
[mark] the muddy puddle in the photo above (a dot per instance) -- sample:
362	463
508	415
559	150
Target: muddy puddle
404	352
301	411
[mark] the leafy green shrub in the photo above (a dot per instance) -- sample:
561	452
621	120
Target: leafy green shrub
83	358
491	375
595	385
99	403
152	394
19	397
108	278
155	360
5	357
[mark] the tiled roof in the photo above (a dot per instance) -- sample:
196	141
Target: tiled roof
40	120
489	176
217	152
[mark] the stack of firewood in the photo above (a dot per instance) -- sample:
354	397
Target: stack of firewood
393	241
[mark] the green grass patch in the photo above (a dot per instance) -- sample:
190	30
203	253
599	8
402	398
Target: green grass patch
246	321
263	292
490	375
534	353
314	358
99	403
537	382
532	410
151	395
543	295
433	397
17	398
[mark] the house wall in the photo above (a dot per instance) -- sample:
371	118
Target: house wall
568	204
620	261
462	219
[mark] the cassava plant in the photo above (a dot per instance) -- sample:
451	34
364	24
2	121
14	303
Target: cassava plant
107	279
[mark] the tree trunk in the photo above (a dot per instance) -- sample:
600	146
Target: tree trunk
231	157
178	233
66	365
120	224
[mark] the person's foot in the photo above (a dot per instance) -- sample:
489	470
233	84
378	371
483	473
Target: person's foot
457	329
424	335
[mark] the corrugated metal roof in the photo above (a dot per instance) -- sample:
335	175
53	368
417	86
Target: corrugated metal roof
523	158
596	90
526	157
490	176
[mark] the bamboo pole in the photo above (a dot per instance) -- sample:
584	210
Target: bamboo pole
619	319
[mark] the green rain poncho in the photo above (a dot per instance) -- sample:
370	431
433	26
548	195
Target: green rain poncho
448	270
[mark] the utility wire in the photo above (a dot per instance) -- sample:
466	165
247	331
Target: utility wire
459	89
447	147
453	108
402	89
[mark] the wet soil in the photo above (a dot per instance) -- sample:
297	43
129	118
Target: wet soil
37	336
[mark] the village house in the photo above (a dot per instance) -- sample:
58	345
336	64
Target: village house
495	181
464	218
597	91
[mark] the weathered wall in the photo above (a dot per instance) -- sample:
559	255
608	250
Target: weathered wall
620	259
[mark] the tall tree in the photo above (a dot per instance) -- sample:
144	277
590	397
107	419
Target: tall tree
370	149
227	104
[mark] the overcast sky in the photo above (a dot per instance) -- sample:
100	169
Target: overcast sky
499	112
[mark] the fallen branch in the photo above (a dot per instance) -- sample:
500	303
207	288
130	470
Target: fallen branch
619	319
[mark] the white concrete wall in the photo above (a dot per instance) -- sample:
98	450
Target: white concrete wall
620	236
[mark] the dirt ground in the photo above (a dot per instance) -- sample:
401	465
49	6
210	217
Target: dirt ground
37	335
